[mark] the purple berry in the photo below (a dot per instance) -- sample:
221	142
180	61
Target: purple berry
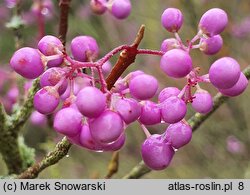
172	19
203	102
13	94
50	45
68	121
212	45
98	6
143	86
46	100
87	141
117	144
169	44
129	109
176	63
168	92
52	76
178	134
156	152
121	8
213	22
224	73
38	119
150	113
173	110
236	89
91	102
27	62
83	48
106	128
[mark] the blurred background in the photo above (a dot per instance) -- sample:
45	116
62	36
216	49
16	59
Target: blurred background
219	148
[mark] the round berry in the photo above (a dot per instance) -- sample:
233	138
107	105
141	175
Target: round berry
156	152
27	62
84	48
238	88
150	113
213	22
38	119
52	76
173	110
169	44
212	45
106	128
68	121
121	8
224	73
129	109
168	92
98	7
172	19
50	45
203	102
46	100
91	102
143	86
178	134
117	144
176	63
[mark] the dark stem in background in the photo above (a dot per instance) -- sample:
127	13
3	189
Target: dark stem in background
63	23
195	121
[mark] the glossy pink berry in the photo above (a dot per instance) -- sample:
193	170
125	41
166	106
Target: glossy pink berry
68	121
176	63
91	102
52	76
169	44
173	109
98	6
84	48
117	144
46	100
156	152
143	86
106	128
38	119
213	22
129	109
224	73
178	134
150	113
203	102
168	92
212	45
27	62
172	19
50	45
236	89
121	8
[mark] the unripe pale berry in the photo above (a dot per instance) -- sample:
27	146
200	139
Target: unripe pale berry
91	102
46	100
173	110
143	86
213	22
176	63
178	134
169	44
68	121
27	62
172	19
156	152
224	73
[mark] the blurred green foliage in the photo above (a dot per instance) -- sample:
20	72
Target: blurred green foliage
207	155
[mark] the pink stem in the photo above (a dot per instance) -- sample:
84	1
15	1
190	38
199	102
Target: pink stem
145	130
151	52
76	64
102	80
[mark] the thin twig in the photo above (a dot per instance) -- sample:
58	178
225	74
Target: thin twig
113	165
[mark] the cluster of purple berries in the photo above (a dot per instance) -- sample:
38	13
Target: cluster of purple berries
95	118
120	9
